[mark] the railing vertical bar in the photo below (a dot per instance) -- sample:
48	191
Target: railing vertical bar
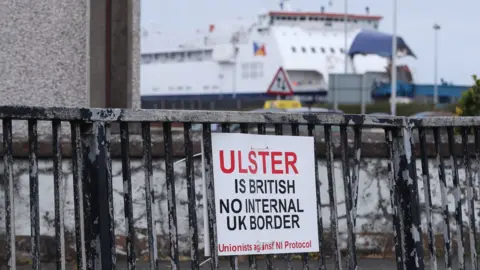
109	178
127	195
471	200
428	198
443	191
9	188
210	193
89	209
278	129
102	197
171	198
347	185
77	172
59	195
296	132
233	259
357	155
406	178
149	195
252	259
318	186
332	193
457	194
394	201
476	131
34	201
191	193
261	129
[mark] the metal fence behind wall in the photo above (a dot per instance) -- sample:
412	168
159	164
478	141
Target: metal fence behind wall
91	160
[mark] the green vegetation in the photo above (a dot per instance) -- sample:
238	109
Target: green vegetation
384	107
469	103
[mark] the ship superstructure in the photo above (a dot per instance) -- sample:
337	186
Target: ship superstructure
238	60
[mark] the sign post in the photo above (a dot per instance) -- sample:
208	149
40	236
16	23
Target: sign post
265	194
280	85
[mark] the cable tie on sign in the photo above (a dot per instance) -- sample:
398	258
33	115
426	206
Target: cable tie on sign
258	149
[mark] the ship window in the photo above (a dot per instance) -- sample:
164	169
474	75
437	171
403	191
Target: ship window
304	50
323	50
332	50
342	50
302	18
146	58
294	49
313	50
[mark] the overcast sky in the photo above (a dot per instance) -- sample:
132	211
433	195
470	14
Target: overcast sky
458	42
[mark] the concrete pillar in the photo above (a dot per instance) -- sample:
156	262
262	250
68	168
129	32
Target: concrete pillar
54	53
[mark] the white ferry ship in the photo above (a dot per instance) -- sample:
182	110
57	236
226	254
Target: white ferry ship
233	65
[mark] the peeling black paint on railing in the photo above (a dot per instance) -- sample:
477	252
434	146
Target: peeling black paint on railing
210	193
471	203
34	201
78	194
443	190
149	195
428	199
349	210
127	196
394	199
9	199
93	198
457	196
321	257
171	198
357	154
59	195
332	198
191	195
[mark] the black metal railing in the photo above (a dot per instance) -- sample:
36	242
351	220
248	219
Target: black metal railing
95	239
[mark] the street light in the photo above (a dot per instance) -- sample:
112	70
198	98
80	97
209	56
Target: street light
393	79
436	27
345	29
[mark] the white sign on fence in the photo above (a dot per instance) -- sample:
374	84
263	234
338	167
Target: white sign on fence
265	194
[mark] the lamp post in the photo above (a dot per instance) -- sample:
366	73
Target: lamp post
345	54
345	29
436	27
393	79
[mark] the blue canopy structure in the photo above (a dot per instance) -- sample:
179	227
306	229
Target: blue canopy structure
373	42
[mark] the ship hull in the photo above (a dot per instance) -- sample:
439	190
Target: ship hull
227	101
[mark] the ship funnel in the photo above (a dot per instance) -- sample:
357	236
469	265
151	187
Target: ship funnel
322	9
367	10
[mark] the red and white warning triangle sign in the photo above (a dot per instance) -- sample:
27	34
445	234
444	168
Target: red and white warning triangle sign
280	84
